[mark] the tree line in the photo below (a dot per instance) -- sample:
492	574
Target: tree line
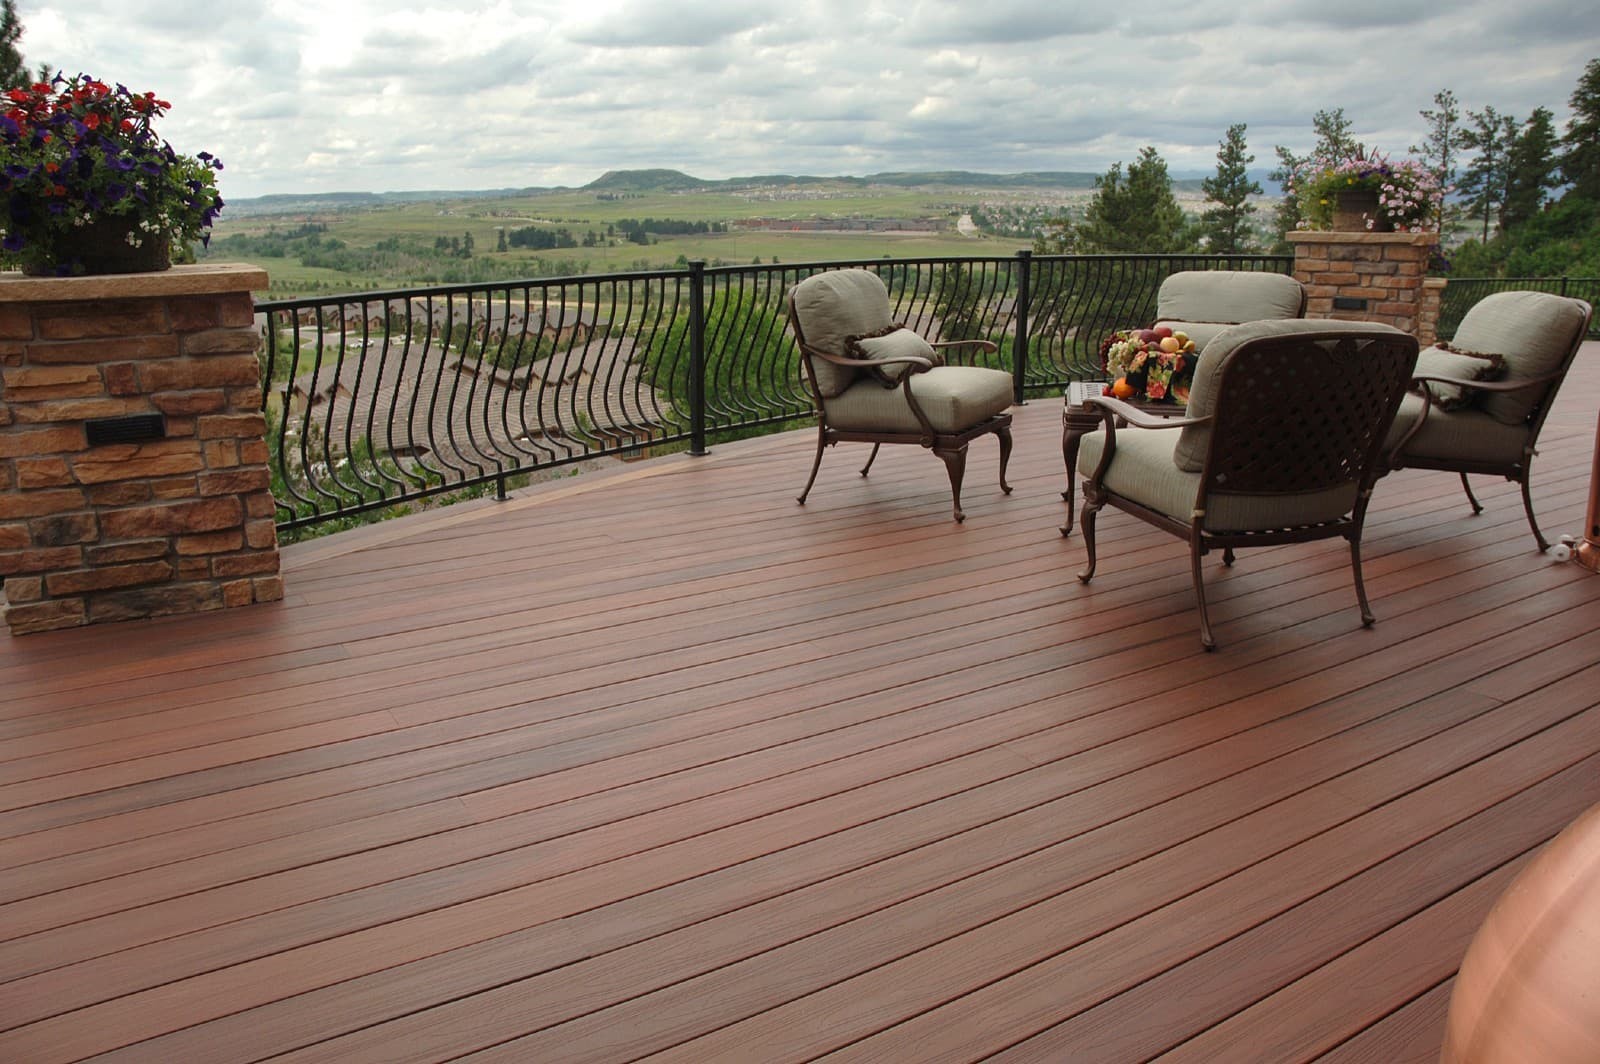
1523	199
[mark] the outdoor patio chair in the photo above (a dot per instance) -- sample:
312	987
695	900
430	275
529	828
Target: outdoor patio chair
875	381
1480	401
1280	443
1201	303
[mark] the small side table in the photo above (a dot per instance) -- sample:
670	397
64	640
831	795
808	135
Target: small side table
1076	419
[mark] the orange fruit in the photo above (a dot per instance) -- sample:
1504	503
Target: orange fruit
1122	389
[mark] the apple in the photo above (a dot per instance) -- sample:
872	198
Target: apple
1162	332
1180	336
1170	345
1149	336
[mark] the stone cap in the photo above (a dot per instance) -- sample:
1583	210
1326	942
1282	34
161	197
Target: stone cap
196	280
1330	236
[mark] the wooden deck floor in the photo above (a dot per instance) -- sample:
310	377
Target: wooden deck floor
655	763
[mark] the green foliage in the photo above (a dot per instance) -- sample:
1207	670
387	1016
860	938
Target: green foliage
1226	226
1334	146
1580	162
1491	135
1441	149
1137	214
1562	240
1530	169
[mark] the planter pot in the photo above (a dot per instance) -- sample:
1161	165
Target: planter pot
102	247
1352	208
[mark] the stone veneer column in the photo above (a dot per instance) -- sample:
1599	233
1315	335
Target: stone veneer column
1428	316
1364	276
174	524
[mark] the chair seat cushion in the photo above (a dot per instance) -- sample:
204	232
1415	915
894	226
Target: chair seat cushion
1144	471
955	398
1470	434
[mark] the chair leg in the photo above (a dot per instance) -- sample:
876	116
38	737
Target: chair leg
1089	511
1005	455
1195	552
1367	618
1227	556
1527	504
1477	507
822	441
873	457
955	463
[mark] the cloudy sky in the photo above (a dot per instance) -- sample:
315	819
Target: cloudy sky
338	95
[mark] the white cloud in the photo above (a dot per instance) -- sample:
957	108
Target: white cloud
307	95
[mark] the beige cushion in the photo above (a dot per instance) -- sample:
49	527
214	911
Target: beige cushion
1469	434
955	398
830	308
900	342
1228	296
1144	472
1193	441
1533	330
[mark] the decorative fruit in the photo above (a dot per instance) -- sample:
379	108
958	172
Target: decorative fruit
1170	345
1149	336
1122	389
1188	345
1181	336
1163	332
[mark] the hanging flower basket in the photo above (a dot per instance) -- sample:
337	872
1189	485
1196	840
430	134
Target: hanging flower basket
106	245
1356	210
86	185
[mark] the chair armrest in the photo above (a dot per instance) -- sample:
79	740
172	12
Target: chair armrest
917	362
987	345
1496	386
1112	407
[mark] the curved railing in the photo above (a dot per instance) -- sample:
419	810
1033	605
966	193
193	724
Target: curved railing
377	399
1462	292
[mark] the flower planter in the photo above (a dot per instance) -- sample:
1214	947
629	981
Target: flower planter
102	247
1353	208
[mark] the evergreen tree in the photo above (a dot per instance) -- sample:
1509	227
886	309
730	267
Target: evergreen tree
500	242
13	71
1137	214
1530	169
1580	163
1490	134
1226	225
1334	145
1442	147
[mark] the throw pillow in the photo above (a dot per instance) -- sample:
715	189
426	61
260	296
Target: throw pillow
1442	360
893	342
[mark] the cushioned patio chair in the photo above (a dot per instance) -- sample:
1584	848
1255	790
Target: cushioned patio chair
1280	443
874	381
1481	400
1201	303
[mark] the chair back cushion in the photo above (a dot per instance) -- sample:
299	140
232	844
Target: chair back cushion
1535	332
1194	441
1229	296
827	309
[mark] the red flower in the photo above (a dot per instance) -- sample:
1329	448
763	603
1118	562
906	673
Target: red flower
51	168
127	125
91	121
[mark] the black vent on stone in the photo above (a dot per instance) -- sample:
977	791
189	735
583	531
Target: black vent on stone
133	429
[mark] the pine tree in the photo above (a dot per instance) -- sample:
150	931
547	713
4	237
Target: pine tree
1490	134
13	71
500	242
1580	163
1225	225
1442	147
1334	145
1137	214
1530	170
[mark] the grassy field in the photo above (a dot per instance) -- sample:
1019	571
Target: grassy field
580	212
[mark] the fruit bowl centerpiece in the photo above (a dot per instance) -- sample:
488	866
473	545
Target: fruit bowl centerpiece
1150	365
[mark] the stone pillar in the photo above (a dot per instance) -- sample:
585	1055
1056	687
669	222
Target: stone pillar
133	463
1428	316
1364	276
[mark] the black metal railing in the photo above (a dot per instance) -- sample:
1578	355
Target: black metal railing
378	399
1462	292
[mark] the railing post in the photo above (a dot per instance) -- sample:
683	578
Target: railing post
1019	344
697	357
1563	286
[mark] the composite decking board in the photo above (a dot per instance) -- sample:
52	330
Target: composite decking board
1121	708
1333	1003
13	912
983	990
1411	1034
710	945
1182	1001
1292	778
